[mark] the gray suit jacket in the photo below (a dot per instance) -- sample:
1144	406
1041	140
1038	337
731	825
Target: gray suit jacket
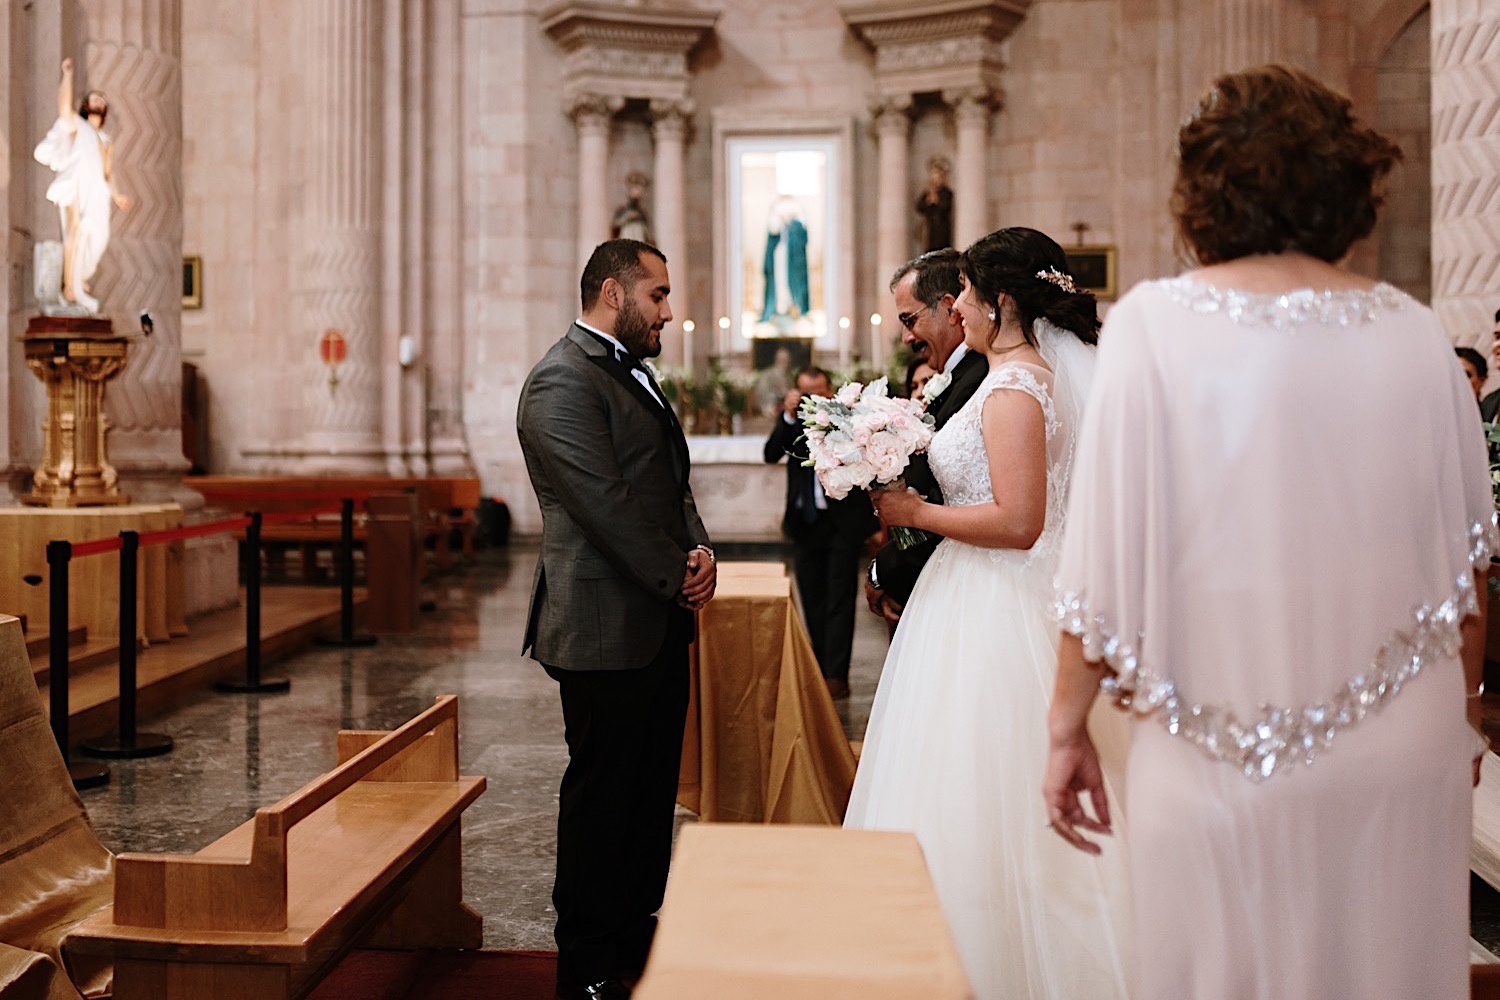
610	469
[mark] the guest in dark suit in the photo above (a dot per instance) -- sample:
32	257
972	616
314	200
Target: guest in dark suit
1489	407
625	562
827	535
925	290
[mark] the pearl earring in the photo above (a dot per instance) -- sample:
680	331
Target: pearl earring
992	315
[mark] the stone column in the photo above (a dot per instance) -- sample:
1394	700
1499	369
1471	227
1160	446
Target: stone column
340	270
443	364
1465	162
592	116
133	53
669	125
892	217
971	113
1241	33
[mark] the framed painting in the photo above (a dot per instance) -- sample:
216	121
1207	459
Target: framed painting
192	282
1093	268
783	260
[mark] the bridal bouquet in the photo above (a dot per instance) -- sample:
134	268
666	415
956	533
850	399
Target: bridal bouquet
864	437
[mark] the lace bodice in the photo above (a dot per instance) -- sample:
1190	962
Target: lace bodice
959	463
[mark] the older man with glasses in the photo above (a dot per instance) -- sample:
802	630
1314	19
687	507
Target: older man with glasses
925	290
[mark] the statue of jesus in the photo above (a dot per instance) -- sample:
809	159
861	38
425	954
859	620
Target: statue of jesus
78	150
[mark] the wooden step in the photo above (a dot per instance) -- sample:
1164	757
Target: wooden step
91	655
37	643
214	648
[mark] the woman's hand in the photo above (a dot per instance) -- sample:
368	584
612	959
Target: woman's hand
898	507
1073	773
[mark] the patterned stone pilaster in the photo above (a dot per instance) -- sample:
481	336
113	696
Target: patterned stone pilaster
1465	165
892	227
133	53
339	271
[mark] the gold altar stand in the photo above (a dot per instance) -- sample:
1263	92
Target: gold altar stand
74	356
94	581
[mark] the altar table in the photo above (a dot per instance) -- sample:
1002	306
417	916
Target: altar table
797	913
763	742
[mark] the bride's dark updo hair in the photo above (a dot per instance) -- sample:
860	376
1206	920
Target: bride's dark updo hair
1010	262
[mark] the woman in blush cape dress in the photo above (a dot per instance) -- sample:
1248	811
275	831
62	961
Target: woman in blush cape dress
1280	503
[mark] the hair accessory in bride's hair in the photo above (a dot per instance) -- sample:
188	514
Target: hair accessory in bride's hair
1063	281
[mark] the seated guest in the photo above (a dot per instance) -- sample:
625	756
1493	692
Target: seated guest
918	371
827	536
1490	405
1475	368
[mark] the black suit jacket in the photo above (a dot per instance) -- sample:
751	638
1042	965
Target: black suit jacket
850	519
610	469
898	569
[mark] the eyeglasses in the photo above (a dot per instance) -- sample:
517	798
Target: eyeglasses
909	320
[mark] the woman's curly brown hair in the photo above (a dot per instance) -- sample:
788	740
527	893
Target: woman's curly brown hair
1272	161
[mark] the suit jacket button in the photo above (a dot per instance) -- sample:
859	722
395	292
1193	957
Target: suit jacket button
662	584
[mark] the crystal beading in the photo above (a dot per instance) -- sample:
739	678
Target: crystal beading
1280	738
1289	311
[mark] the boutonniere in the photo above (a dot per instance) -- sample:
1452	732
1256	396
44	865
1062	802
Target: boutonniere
651	367
934	387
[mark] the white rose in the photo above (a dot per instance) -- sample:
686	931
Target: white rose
935	386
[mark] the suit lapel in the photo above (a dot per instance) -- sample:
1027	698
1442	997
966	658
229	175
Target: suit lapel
601	354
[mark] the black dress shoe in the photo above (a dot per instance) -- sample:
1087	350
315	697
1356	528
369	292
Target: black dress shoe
608	989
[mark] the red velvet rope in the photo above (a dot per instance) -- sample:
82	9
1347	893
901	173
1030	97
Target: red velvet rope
193	531
98	545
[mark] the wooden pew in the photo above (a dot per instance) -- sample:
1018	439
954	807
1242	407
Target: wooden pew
448	504
366	855
54	873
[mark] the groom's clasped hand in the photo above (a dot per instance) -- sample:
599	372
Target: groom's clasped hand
700	580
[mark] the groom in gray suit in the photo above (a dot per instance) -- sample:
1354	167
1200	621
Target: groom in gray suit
625	563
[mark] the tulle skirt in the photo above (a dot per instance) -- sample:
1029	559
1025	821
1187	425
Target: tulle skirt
955	751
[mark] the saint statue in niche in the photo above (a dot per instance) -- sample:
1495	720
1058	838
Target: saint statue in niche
81	153
787	292
935	206
630	221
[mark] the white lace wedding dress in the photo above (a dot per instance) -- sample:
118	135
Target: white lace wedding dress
957	738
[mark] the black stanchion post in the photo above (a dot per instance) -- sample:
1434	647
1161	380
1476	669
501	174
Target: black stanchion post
253	682
130	743
346	581
59	555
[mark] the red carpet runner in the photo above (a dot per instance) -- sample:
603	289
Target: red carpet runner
430	975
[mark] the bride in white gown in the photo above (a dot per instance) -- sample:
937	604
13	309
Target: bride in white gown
957	737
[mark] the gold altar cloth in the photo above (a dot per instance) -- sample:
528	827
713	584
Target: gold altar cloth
763	741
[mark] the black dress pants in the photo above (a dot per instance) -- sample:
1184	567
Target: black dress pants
616	807
827	567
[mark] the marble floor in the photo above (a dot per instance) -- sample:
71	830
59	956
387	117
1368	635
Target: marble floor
236	753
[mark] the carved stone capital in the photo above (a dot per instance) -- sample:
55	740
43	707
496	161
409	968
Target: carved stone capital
670	118
892	116
972	105
636	51
592	113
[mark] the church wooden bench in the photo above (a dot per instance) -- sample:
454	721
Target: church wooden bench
367	855
54	872
448	504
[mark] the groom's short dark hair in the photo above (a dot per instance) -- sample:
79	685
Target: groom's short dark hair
618	259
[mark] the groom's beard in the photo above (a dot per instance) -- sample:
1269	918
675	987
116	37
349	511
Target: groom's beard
639	336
